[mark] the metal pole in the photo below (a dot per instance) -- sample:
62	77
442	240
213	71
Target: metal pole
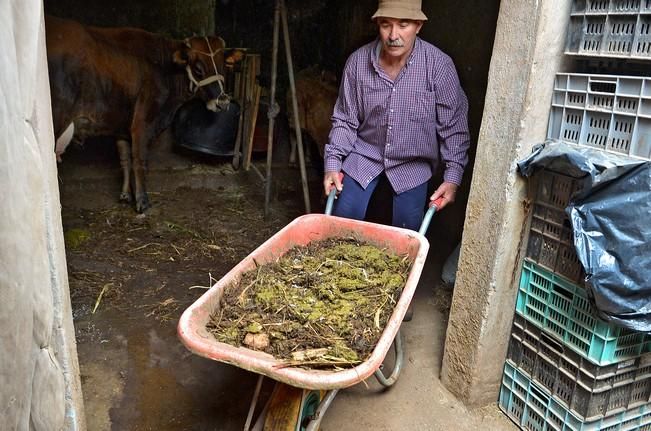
254	401
273	109
320	411
299	141
240	124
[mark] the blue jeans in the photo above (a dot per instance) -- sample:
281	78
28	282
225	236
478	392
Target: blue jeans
408	206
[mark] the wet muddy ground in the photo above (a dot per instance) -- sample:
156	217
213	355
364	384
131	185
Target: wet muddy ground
131	276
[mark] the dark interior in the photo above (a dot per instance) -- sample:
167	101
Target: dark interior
323	33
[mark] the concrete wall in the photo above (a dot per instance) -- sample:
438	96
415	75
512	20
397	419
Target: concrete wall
527	52
39	373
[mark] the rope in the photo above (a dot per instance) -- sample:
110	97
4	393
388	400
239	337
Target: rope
273	111
223	99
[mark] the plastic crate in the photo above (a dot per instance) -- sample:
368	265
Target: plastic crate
610	28
533	408
563	310
589	391
550	241
608	112
555	191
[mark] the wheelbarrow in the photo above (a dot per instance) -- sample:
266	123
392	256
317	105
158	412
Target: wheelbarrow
302	396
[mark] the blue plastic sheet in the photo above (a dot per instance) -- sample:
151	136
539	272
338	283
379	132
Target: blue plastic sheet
611	221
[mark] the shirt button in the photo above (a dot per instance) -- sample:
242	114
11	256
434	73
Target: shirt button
389	127
391	110
393	89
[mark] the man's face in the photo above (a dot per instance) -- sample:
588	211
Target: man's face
398	35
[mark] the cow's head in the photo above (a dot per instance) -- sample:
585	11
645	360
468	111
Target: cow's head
203	60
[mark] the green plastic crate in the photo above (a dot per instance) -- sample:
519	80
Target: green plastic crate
533	408
563	309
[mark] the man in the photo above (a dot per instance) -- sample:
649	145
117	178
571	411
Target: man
400	112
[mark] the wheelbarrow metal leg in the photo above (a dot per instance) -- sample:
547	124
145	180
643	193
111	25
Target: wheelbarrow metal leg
315	421
254	401
389	381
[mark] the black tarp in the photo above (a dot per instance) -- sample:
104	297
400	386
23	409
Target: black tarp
611	221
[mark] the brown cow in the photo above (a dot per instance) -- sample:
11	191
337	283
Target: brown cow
316	94
126	83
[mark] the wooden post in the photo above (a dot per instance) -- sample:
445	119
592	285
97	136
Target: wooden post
255	104
272	107
297	122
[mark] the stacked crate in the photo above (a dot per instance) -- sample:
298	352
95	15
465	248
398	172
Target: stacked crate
610	28
605	112
567	369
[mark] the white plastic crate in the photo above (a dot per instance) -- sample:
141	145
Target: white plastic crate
608	112
610	28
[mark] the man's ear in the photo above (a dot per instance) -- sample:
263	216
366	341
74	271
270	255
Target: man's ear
180	57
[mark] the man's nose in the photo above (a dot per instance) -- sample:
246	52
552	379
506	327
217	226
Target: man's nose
393	35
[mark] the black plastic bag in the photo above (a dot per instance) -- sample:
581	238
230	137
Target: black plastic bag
611	221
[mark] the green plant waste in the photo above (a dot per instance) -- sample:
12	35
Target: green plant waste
324	305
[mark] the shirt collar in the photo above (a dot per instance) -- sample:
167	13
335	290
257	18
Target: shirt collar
377	48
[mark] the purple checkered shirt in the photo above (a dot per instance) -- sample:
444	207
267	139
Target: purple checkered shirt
400	126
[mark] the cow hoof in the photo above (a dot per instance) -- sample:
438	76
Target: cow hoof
142	203
125	197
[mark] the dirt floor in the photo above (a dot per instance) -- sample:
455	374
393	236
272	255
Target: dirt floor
131	276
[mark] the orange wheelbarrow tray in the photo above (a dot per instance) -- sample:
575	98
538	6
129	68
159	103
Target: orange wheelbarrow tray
302	231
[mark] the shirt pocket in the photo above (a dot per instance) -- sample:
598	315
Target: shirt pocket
423	106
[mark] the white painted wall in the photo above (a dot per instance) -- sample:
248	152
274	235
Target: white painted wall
39	373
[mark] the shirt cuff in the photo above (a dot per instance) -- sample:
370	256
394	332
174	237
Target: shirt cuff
453	175
332	164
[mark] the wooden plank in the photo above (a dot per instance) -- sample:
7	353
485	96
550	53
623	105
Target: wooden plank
284	409
254	117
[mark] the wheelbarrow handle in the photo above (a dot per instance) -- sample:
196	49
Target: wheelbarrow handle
332	195
433	207
331	201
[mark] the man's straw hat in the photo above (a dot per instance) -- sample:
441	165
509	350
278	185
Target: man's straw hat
401	9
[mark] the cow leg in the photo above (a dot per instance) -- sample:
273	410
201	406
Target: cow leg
124	151
145	126
64	140
139	164
292	152
139	172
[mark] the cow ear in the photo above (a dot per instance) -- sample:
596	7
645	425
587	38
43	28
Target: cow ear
180	57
